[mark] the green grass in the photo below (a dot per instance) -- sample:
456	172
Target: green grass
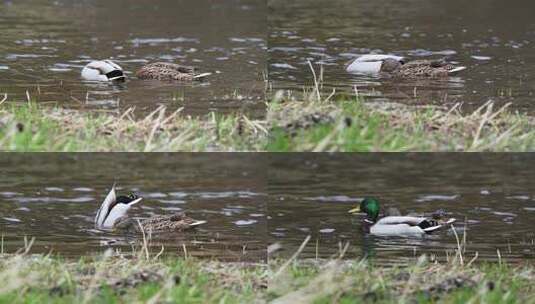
31	127
118	279
139	278
339	281
344	124
353	125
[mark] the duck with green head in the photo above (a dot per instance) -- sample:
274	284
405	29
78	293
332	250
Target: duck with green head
396	225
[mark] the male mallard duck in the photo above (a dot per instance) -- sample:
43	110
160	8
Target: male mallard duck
103	70
396	66
370	63
396	225
169	71
112	214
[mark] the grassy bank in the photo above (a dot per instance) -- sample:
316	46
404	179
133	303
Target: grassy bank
339	281
32	127
316	124
350	124
120	279
114	278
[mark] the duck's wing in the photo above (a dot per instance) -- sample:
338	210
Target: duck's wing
438	64
171	66
396	230
396	220
185	69
103	211
407	225
422	222
377	57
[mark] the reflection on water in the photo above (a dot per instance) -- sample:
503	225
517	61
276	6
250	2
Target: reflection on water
490	195
493	38
54	198
44	45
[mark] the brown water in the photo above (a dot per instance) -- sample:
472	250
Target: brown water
45	44
490	195
54	198
493	38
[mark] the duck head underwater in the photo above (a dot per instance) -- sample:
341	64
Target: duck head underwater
109	71
112	214
393	224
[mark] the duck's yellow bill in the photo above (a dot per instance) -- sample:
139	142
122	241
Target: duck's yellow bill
355	210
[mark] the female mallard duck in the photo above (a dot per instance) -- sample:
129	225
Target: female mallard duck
396	225
169	71
395	66
112	214
103	70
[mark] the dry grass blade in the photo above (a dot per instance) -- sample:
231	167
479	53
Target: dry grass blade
316	84
156	125
294	256
3	99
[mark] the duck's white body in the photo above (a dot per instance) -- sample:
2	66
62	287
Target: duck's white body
110	211
102	70
404	226
370	63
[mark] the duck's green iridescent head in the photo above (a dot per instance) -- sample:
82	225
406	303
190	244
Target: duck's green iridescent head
370	206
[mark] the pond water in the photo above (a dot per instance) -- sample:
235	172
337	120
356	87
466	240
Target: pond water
54	198
493	38
491	196
252	200
45	44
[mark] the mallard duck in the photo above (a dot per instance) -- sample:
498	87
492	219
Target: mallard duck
112	214
114	209
177	222
169	71
103	70
420	68
395	225
370	63
395	66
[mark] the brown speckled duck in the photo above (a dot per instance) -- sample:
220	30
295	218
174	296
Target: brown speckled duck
399	67
169	72
177	222
419	68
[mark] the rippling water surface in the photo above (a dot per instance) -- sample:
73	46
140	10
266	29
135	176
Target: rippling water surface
491	196
494	39
54	198
44	45
252	200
